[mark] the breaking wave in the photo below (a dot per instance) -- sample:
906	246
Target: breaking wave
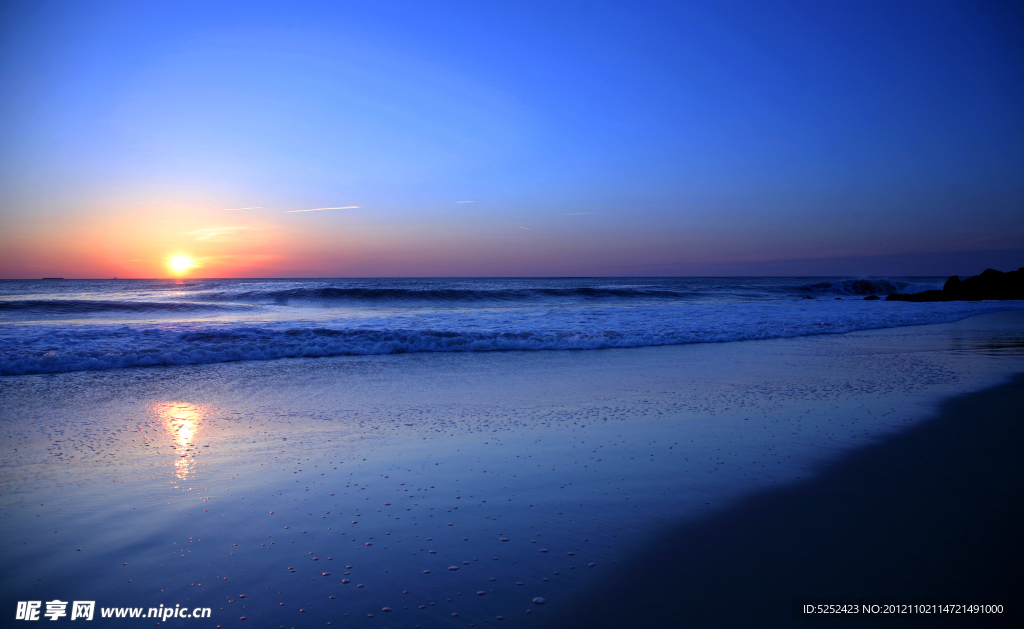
38	348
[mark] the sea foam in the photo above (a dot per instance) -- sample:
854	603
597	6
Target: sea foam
46	347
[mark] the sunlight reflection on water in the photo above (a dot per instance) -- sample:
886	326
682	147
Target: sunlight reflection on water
182	421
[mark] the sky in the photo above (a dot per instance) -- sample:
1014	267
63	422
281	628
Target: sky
409	139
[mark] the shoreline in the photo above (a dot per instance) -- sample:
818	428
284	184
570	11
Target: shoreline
533	474
931	513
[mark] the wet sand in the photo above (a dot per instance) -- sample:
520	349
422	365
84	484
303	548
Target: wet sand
933	513
453	489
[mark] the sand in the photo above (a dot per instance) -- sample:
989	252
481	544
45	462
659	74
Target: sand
192	486
933	514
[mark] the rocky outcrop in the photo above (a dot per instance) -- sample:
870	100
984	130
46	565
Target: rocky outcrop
990	284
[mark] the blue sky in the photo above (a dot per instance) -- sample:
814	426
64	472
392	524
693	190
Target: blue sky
509	138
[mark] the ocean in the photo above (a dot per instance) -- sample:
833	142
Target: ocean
52	326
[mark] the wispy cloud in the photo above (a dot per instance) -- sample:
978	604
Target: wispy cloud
318	209
578	213
465	201
235	209
211	233
526	228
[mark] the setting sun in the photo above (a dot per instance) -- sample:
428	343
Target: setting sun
179	264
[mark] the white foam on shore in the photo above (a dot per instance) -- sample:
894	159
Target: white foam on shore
42	347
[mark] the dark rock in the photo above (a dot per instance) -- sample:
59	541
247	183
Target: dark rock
989	285
871	298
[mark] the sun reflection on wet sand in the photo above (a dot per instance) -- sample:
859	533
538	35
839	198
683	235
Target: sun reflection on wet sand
182	422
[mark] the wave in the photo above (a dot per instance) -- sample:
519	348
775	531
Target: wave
87	306
679	290
50	349
866	286
156	297
447	295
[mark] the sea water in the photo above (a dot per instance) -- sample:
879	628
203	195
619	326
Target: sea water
52	326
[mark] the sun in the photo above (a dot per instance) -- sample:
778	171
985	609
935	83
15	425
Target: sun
179	264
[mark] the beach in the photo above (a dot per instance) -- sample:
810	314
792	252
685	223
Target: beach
455	489
929	516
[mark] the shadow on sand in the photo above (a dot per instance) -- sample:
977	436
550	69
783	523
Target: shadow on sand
934	513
